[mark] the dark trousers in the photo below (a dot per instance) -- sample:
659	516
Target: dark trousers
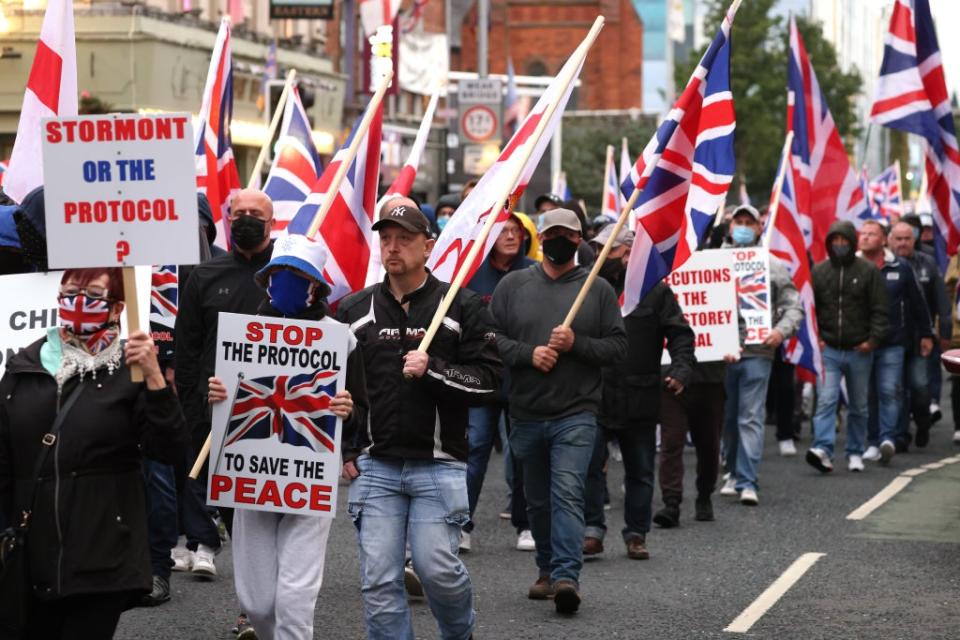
195	520
161	515
82	617
518	498
638	444
781	398
699	410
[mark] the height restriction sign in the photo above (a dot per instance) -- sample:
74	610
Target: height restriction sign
479	123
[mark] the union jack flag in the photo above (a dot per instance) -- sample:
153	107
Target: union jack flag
827	186
217	175
754	291
610	201
346	231
884	192
296	165
295	409
912	96
684	172
163	295
786	240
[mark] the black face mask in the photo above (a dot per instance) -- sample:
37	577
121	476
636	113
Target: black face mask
559	250
246	232
612	269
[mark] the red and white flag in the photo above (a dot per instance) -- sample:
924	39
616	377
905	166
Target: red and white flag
625	165
217	175
51	92
464	227
610	200
376	13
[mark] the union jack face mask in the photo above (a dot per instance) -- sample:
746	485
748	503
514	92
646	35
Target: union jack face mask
82	315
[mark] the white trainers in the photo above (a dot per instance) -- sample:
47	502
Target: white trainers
819	460
872	454
749	498
729	486
525	541
182	558
787	448
956	437
855	463
887	449
464	542
203	565
935	413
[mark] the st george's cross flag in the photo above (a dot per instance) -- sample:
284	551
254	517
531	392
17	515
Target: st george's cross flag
346	230
787	242
912	96
692	167
51	92
827	186
464	227
296	165
217	175
884	193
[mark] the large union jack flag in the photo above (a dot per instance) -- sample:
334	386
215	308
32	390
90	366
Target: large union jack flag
912	96
163	295
296	165
827	186
295	409
346	230
217	175
787	242
684	172
884	192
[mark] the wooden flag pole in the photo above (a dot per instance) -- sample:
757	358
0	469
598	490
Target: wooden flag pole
358	136
274	123
133	313
579	54
778	188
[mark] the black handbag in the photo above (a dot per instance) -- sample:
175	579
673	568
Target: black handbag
13	539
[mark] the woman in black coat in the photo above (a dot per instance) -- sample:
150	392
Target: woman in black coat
87	553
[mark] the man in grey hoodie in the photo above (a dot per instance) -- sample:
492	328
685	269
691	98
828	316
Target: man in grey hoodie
555	391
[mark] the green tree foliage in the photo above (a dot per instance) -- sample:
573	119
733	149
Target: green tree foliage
758	75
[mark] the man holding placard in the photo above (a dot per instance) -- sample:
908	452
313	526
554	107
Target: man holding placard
747	379
555	393
410	482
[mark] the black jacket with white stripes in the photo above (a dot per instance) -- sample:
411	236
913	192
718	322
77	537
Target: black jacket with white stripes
423	418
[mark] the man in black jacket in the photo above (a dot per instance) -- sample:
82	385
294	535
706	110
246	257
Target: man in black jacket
631	401
409	480
224	283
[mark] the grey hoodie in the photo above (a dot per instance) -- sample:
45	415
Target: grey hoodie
525	308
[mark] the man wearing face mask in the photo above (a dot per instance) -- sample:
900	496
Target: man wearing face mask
446	205
555	394
631	401
851	303
224	283
747	379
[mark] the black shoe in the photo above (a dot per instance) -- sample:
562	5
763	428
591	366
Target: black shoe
923	437
159	594
902	445
668	517
703	510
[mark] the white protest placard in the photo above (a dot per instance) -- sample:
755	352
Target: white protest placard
29	307
120	190
275	444
707	293
751	267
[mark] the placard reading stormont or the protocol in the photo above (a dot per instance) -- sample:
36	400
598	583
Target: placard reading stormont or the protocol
120	190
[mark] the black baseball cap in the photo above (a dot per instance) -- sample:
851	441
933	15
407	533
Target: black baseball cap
547	197
407	217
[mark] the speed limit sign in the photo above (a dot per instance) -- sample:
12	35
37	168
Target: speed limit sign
479	123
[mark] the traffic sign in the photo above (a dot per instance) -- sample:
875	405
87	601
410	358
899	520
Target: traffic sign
479	123
480	105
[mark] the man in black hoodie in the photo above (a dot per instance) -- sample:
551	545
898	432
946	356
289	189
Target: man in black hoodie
852	314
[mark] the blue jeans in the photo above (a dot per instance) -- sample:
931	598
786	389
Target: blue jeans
855	368
161	515
481	432
744	416
638	444
423	502
555	455
886	394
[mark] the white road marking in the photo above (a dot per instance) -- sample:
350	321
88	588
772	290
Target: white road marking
951	460
912	473
933	465
774	592
896	486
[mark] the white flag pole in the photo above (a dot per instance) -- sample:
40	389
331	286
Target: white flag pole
778	188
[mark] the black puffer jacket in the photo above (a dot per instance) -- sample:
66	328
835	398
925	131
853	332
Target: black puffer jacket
88	530
850	296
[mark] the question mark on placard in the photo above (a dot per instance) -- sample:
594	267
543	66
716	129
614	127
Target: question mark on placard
123	250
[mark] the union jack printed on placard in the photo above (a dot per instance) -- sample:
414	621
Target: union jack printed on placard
912	96
163	294
753	290
694	166
295	409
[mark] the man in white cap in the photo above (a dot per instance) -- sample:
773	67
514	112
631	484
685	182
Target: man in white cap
555	390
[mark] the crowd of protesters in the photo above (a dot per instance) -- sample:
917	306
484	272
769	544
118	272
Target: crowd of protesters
112	511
